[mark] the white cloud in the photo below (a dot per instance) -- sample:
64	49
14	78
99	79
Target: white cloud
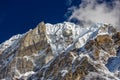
90	11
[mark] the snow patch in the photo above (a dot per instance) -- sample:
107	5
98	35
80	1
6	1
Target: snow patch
64	72
9	42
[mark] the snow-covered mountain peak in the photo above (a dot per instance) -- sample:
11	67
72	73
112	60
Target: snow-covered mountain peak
62	35
62	51
9	42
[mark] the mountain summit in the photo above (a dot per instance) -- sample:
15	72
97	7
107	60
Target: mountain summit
63	51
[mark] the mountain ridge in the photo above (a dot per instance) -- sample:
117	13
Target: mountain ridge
61	51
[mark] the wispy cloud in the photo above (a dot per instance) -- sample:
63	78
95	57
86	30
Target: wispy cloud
69	2
92	11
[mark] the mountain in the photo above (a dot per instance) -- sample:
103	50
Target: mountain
63	51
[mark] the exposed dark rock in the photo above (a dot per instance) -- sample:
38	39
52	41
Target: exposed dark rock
66	64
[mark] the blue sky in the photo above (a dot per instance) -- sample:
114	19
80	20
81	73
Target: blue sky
18	16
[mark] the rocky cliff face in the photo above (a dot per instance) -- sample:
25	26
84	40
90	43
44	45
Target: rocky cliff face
31	52
63	51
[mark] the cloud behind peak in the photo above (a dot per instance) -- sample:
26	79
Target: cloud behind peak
96	11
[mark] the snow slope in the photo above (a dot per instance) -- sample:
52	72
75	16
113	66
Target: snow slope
63	38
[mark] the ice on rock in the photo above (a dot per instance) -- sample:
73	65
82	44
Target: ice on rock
59	34
64	72
113	64
64	37
9	42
